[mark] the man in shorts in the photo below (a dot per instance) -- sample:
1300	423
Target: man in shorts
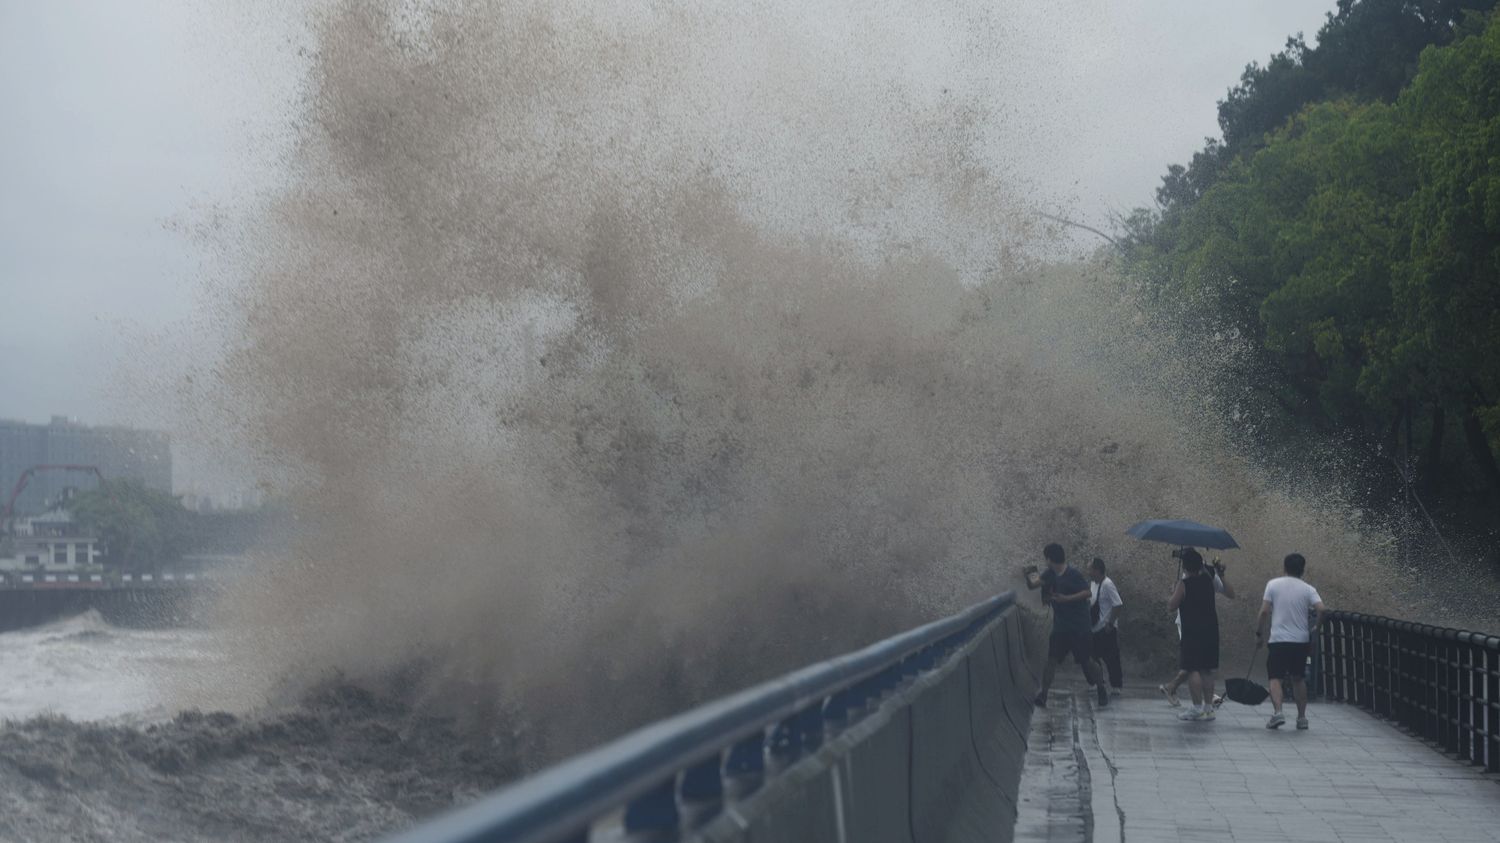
1199	649
1169	690
1066	590
1287	607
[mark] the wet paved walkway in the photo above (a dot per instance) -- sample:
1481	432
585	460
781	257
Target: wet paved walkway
1135	771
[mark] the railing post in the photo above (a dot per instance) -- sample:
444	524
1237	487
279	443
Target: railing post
1400	659
1493	705
1453	688
1356	632
1325	641
1440	686
1452	708
1356	686
1445	692
1432	683
1346	665
1312	671
1346	669
1407	689
1467	698
1386	659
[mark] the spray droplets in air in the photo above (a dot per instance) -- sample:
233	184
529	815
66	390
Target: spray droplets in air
634	353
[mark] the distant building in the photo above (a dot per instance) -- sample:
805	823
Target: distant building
50	541
121	453
234	500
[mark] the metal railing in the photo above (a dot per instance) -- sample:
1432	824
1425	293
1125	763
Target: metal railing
1442	684
675	775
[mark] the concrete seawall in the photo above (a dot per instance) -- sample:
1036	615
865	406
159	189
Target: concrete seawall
939	762
143	606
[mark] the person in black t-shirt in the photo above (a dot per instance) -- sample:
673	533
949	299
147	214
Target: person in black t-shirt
1066	590
1199	649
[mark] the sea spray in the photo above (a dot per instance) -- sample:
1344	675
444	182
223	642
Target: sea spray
614	357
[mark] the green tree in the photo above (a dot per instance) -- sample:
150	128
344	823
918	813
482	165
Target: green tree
1367	50
1448	292
138	527
1360	247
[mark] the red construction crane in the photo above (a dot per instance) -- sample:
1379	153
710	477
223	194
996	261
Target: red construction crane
10	505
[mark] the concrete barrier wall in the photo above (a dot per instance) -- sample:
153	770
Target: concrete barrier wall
938	762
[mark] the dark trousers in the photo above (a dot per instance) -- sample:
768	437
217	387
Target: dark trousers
1107	650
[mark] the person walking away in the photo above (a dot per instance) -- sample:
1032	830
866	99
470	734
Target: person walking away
1169	690
1106	629
1288	603
1199	648
1066	590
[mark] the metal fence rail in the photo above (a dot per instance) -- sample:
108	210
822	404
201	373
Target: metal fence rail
674	775
1442	684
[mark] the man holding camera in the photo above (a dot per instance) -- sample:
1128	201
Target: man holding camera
1194	597
1287	605
1065	589
1169	690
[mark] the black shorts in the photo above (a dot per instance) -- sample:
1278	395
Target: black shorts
1286	660
1198	652
1080	644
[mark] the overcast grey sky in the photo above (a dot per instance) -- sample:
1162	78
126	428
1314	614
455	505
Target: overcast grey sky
122	117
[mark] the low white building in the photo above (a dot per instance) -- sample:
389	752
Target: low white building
51	541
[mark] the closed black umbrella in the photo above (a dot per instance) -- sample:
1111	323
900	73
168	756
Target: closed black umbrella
1244	691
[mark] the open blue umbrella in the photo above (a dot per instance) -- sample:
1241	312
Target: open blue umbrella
1184	533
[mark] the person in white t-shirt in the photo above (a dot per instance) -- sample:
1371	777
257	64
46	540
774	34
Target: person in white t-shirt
1106	624
1287	609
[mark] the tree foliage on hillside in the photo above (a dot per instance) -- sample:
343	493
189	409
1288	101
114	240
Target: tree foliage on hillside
1359	242
1367	50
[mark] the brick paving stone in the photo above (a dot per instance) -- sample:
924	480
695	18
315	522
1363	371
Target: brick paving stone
1350	777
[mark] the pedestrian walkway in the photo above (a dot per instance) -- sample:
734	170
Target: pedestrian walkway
1135	769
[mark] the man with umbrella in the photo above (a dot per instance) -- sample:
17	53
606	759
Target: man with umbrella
1188	535
1067	591
1199	649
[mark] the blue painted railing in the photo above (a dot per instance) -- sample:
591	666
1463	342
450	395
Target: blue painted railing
674	775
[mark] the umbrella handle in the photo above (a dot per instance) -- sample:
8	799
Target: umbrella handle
1253	654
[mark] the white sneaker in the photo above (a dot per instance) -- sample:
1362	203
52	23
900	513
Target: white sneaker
1171	697
1194	714
1277	721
